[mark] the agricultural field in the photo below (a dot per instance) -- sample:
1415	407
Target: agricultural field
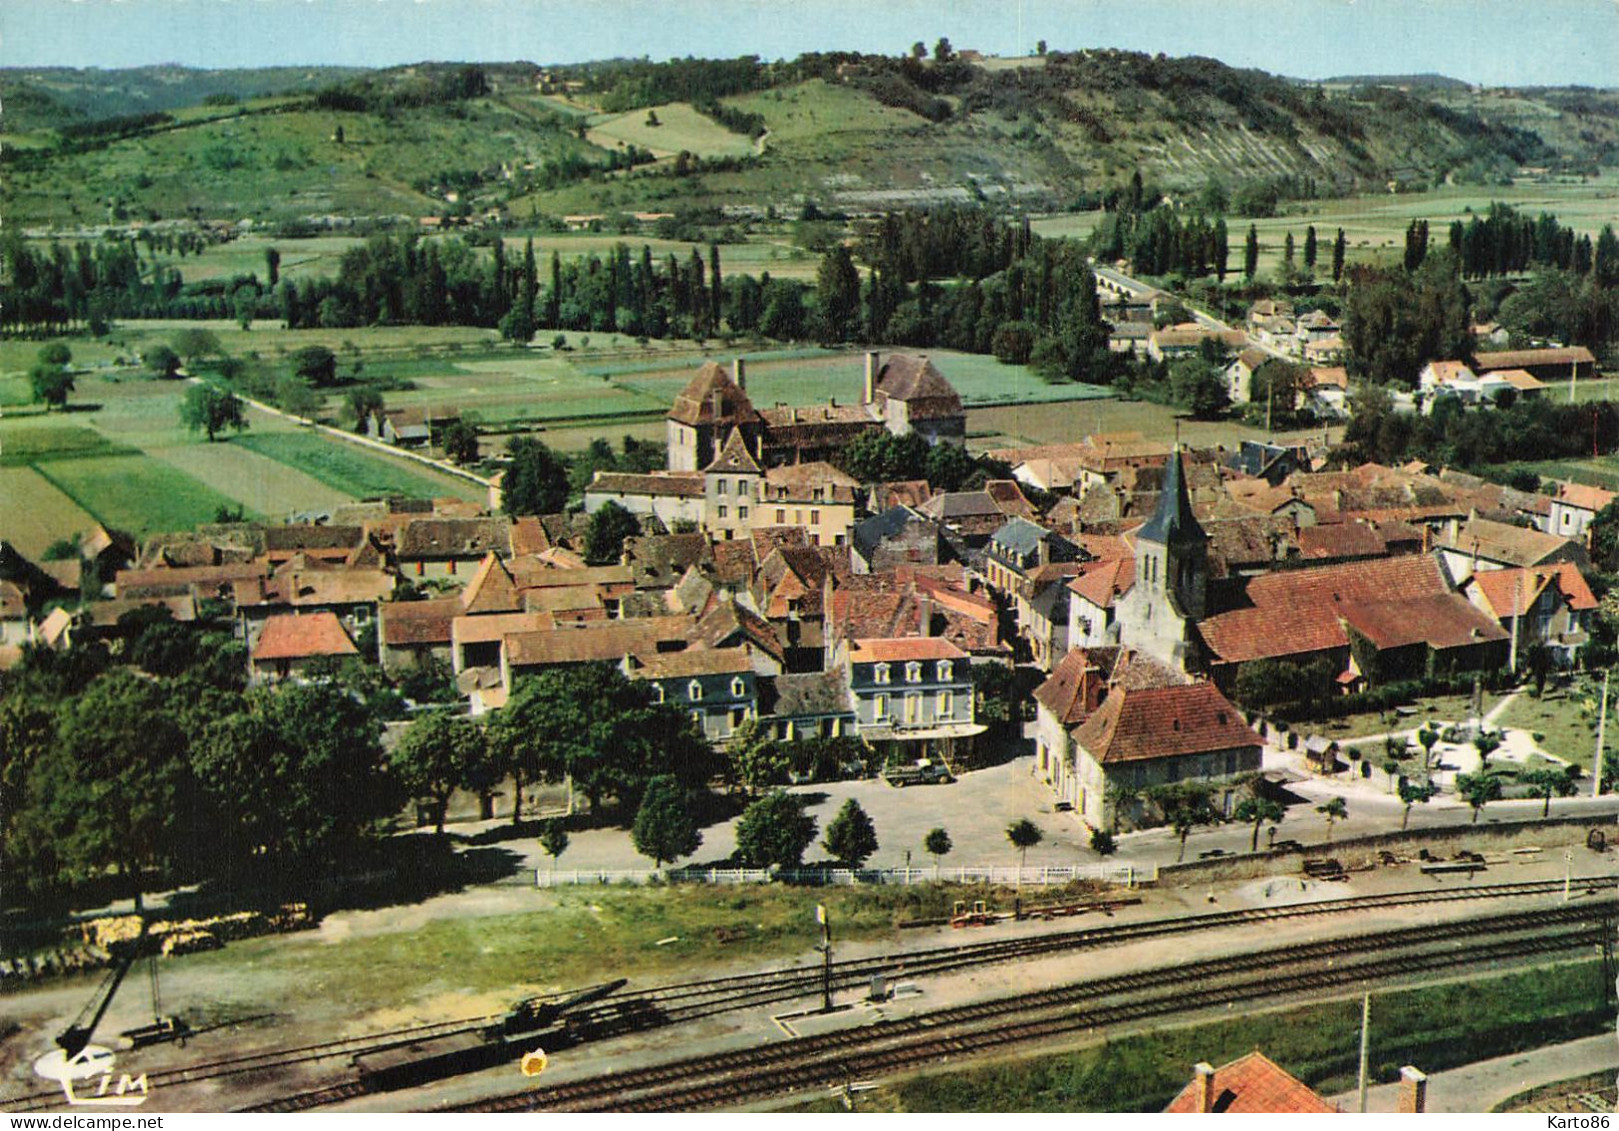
34	512
135	492
679	128
351	471
1597	472
1374	226
1026	425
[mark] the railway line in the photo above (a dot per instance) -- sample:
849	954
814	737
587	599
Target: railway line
812	1064
690	1001
629	1010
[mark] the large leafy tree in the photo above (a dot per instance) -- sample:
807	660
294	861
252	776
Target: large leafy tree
211	409
604	731
604	537
116	791
664	827
50	384
535	480
757	759
774	832
851	837
300	772
438	754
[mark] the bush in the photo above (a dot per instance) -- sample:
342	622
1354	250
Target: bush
1102	842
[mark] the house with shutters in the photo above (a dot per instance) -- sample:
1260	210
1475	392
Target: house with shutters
914	695
717	687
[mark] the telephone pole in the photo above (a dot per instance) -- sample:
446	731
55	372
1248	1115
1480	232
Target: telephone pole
1365	1044
1602	732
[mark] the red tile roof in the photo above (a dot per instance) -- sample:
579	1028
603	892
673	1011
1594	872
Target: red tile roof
911	648
1077	684
1585	497
407	624
1297	611
1252	1085
1513	592
1523	359
1341	540
1102	583
1134	725
1441	620
301	636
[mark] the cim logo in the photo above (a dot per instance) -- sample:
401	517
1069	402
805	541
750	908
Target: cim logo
88	1080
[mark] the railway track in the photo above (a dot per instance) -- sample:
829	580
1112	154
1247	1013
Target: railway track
272	1059
829	1059
689	1001
628	1011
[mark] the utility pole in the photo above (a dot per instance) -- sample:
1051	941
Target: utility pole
1365	1044
1568	865
1517	614
824	920
1602	732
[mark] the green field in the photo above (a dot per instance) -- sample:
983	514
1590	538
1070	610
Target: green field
22	444
679	127
1598	471
356	473
135	492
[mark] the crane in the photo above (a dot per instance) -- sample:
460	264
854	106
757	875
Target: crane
76	1037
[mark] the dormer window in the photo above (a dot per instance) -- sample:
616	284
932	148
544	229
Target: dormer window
913	672
739	687
694	691
880	673
945	668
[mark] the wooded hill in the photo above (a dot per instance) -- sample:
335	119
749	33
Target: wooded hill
845	130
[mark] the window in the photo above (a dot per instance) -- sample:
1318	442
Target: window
879	674
723	511
913	672
913	709
815	518
882	707
742	513
722	487
945	668
781	516
947	704
742	487
739	687
694	691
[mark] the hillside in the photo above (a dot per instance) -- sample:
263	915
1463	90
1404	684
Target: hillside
845	130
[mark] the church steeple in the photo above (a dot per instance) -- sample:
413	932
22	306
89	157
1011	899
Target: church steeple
1173	522
1172	548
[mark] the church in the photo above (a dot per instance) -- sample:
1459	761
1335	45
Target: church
903	394
1170	594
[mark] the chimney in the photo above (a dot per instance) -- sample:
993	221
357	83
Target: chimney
1205	1086
924	614
871	377
1413	1092
739	373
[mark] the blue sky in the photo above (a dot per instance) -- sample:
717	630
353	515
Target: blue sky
1495	42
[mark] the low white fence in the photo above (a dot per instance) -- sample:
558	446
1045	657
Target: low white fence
1128	875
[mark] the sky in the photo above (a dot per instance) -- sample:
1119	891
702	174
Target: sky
1489	42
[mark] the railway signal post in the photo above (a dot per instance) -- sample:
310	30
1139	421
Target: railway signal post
825	921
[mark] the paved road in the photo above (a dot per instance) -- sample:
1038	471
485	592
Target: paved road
1481	1086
